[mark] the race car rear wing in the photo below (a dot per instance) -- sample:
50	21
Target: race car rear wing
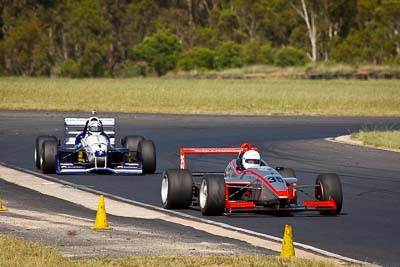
74	126
213	151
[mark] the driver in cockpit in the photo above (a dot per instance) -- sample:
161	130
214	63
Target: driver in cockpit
251	159
93	127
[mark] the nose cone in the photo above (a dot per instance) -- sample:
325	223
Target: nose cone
100	153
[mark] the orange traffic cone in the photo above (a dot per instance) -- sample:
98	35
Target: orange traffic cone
287	243
101	217
1	206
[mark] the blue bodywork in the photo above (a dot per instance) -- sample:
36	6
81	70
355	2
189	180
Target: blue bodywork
118	162
72	157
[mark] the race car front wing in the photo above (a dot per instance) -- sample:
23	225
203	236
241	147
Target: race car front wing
249	206
127	168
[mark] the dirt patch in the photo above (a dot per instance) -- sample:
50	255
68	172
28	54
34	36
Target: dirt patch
73	237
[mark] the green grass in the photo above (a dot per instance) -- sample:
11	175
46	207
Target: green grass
201	96
16	252
389	139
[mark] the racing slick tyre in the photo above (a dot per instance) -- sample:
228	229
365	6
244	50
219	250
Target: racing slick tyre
147	155
329	185
132	142
176	189
38	148
287	172
212	195
48	157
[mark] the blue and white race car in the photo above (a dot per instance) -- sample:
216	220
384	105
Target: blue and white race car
89	147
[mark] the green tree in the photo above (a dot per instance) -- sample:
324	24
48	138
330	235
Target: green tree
160	50
140	20
336	20
93	60
290	56
174	17
373	39
205	37
69	68
226	22
389	12
197	58
267	54
250	15
129	68
228	55
252	53
279	22
24	50
371	45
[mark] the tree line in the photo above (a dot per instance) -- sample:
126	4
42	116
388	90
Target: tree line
125	38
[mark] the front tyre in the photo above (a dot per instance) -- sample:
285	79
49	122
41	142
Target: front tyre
131	142
176	189
147	154
48	156
38	148
212	195
329	185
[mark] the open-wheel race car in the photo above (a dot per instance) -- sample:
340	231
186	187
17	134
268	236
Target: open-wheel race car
248	184
89	147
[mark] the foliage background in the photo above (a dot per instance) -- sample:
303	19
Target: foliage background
126	38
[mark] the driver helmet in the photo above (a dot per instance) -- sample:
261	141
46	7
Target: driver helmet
251	159
94	126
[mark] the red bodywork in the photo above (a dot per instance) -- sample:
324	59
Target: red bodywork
232	206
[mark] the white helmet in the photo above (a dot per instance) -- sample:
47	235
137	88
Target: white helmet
251	159
94	126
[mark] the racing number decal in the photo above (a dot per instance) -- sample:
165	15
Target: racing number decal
275	179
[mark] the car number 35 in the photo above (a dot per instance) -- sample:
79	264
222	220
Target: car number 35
273	179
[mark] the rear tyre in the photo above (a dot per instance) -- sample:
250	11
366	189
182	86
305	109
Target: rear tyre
287	173
38	148
48	157
176	189
212	195
147	154
131	142
329	185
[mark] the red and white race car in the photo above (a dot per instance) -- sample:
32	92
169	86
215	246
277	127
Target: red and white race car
251	188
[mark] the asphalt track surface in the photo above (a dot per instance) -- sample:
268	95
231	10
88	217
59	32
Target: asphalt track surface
368	227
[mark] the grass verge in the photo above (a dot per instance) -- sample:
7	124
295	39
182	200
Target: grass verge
272	96
24	253
389	139
322	70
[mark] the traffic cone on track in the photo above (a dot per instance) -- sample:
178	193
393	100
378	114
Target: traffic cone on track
101	217
287	243
1	206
